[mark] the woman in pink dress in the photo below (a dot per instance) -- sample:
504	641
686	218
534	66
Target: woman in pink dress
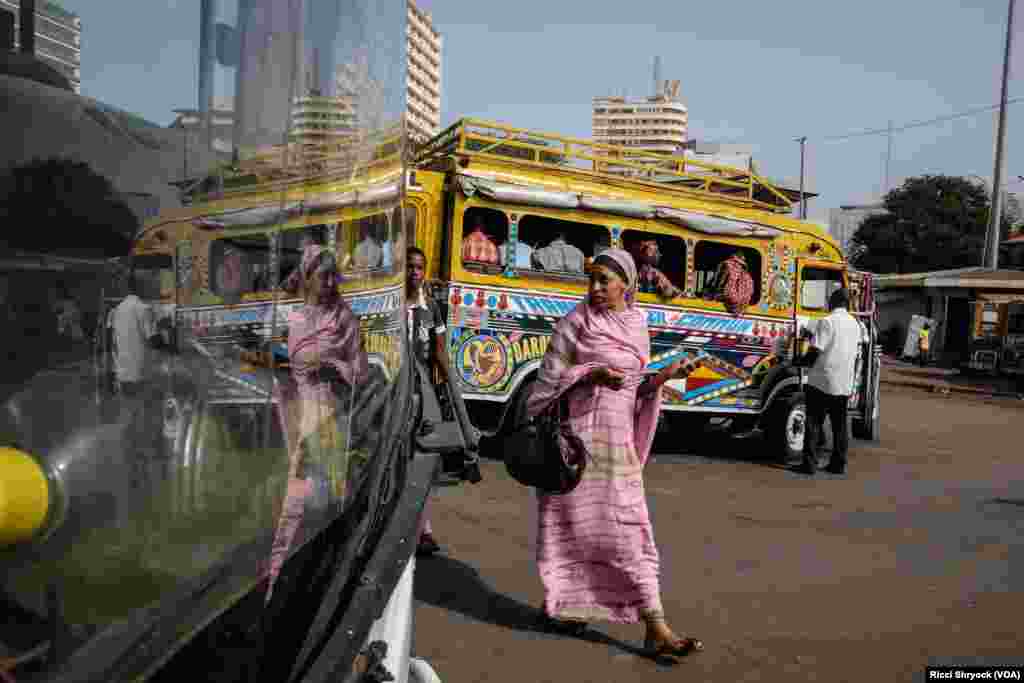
327	362
596	551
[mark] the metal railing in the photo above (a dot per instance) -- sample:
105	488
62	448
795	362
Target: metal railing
486	139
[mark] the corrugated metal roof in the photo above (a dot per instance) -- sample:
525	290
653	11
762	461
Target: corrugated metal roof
975	277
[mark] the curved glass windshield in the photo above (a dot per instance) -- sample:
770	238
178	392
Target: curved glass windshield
209	403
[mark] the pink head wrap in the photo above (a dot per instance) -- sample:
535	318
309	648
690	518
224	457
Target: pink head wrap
625	263
314	258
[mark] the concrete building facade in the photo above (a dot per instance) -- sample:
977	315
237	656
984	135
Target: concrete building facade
844	221
58	35
423	73
653	124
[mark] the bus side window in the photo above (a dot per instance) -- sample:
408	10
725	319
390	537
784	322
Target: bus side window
240	265
817	285
293	242
664	253
484	235
708	259
557	246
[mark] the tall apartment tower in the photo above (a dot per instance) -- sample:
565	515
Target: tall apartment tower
657	123
58	37
423	91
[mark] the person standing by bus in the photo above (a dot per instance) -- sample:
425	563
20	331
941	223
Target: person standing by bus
426	337
831	359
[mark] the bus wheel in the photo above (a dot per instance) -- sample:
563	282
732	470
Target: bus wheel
514	416
866	429
786	427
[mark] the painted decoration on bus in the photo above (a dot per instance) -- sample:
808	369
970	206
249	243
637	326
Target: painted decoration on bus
495	334
217	327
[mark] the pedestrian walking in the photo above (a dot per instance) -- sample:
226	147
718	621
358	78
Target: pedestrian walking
830	380
596	553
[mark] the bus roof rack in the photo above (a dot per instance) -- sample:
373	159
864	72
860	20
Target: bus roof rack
471	137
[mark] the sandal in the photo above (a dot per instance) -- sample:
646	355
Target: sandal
678	648
568	627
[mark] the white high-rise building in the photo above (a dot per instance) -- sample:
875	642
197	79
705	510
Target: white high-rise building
58	38
652	124
423	91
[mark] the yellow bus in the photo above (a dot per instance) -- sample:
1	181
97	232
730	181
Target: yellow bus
523	189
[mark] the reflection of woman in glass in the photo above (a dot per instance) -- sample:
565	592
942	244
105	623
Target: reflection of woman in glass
327	361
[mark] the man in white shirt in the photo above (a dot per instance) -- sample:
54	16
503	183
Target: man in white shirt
522	256
830	381
559	256
367	254
135	336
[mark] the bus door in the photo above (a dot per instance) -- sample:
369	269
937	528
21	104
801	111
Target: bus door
862	306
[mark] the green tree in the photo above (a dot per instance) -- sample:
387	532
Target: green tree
63	206
932	222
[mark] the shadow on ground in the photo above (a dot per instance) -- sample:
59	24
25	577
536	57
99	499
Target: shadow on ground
458	587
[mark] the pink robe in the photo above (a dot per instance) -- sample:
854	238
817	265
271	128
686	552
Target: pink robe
319	337
596	551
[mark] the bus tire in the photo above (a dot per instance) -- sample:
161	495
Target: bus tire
786	426
492	447
866	429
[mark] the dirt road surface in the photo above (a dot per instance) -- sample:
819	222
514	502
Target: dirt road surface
915	557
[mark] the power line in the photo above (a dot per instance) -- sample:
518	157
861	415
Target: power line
888	130
918	124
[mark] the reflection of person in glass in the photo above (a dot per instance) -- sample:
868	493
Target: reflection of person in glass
135	337
327	362
229	275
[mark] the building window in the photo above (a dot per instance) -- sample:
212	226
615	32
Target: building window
709	255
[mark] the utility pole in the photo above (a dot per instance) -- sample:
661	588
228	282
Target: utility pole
996	214
803	201
888	159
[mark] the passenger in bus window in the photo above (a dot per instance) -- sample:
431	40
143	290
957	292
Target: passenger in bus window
523	256
367	254
478	247
652	280
559	256
386	252
733	284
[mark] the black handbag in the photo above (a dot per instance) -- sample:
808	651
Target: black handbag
545	453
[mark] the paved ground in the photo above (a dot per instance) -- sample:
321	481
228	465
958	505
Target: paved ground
901	373
903	562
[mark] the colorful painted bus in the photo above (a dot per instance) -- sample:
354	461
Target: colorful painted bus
523	189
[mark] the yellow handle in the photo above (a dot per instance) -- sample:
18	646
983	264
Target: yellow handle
24	496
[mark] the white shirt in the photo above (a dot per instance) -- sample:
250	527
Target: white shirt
367	254
133	323
837	337
560	256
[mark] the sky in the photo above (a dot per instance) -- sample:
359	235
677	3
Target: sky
759	74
